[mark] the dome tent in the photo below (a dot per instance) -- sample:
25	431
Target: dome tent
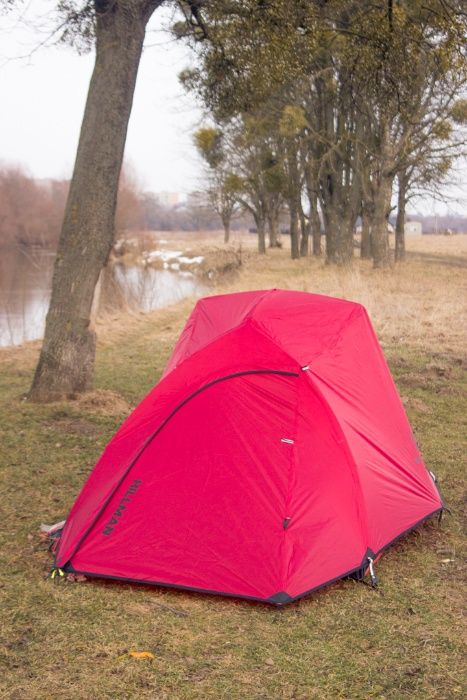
273	457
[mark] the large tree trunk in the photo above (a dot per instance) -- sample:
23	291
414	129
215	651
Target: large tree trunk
399	254
66	362
380	221
340	205
339	238
365	245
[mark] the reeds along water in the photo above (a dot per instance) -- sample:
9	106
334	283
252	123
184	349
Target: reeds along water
25	286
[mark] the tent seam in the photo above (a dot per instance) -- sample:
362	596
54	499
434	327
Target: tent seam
156	432
217	337
292	472
350	318
353	464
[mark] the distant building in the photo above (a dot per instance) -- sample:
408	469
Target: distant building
198	198
167	199
413	228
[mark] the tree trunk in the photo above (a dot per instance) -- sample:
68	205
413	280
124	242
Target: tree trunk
380	221
272	227
66	363
399	254
260	227
316	230
339	238
294	247
293	197
315	223
226	225
365	246
305	239
304	234
339	215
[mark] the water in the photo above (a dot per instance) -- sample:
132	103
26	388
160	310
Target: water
25	285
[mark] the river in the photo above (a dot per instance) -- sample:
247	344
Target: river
25	284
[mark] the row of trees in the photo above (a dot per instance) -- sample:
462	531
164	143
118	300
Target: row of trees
334	108
353	87
31	210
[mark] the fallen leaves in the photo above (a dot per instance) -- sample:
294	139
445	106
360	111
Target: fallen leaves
140	655
76	578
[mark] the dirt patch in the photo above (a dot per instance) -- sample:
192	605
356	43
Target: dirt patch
415	380
452	390
450	359
73	426
103	402
436	369
417	405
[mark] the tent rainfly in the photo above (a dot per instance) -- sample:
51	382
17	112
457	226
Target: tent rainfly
273	457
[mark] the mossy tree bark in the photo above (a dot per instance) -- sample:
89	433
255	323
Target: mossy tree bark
66	363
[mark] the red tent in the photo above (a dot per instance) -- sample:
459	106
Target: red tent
273	457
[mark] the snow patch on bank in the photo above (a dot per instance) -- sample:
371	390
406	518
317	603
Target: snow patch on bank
171	259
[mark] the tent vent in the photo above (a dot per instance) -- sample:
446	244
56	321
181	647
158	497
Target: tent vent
289	442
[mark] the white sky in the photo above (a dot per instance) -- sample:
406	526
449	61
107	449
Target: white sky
42	97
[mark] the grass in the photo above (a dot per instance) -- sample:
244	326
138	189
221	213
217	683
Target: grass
347	641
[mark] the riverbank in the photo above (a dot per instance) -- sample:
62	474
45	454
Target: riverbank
346	641
142	275
203	255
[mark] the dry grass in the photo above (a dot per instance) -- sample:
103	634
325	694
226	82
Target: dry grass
70	640
455	246
421	302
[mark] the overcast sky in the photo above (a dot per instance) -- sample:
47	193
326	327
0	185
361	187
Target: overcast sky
43	92
43	96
